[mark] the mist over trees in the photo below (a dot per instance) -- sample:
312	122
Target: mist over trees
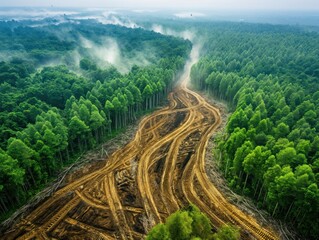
51	114
46	44
269	151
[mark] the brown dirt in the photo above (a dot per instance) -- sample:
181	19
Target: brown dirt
161	170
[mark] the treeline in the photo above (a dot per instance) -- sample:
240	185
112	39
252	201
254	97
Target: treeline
190	223
51	115
270	149
42	43
35	45
25	93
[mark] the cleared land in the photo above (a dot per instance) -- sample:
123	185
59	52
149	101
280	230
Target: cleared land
161	170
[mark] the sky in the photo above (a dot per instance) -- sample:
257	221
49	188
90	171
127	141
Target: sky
173	4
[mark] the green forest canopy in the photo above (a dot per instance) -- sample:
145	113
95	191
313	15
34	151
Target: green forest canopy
269	76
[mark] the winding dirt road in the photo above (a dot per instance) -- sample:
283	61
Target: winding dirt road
161	170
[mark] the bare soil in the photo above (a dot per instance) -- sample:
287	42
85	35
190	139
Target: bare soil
123	191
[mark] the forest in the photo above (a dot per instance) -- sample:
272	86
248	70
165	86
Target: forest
65	88
269	77
57	99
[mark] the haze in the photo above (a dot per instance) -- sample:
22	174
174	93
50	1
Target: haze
176	4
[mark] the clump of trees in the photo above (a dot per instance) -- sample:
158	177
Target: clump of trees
188	224
270	148
51	115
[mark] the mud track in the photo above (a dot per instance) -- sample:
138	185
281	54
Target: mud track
161	170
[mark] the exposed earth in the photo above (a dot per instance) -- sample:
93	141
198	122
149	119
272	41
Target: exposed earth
160	171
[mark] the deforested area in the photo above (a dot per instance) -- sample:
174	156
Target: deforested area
113	121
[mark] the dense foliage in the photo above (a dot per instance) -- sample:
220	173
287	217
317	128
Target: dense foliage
49	44
50	115
188	224
269	75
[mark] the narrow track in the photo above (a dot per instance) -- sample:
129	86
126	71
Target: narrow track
161	170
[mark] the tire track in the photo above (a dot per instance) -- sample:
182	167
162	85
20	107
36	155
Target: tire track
161	170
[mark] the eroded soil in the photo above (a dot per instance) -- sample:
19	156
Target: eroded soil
161	170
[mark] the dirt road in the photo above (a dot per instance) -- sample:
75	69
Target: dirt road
161	170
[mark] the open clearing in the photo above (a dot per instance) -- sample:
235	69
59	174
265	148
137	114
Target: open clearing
161	170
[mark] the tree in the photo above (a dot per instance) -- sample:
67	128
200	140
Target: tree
108	108
159	232
84	113
271	174
147	93
235	141
286	156
238	119
255	120
96	122
282	130
201	226
310	203
11	179
117	108
187	224
26	157
303	146
253	164
240	155
78	130
227	232
86	64
179	225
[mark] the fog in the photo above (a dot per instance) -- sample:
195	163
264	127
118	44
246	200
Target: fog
184	79
176	4
108	53
186	34
104	51
106	17
66	15
189	14
120	16
33	13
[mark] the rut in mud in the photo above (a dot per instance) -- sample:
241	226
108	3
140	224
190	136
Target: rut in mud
161	170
